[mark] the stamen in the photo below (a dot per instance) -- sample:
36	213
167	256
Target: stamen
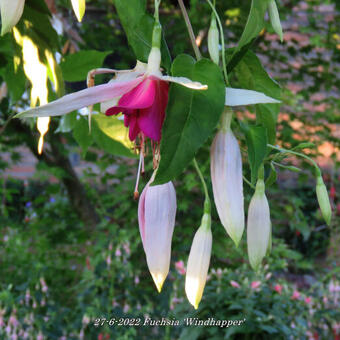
141	161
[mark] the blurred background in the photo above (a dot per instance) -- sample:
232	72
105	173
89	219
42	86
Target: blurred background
70	249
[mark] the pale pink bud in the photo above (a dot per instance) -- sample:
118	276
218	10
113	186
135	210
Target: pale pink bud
296	295
11	11
235	284
227	181
259	226
156	217
198	262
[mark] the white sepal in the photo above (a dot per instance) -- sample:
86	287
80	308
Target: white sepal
238	97
11	11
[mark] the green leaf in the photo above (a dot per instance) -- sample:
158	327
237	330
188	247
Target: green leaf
254	26
252	76
272	176
76	66
82	134
256	138
67	123
138	26
191	115
111	135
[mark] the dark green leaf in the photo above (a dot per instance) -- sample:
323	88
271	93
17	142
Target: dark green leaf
138	26
254	26
252	76
111	135
76	66
256	138
191	115
82	134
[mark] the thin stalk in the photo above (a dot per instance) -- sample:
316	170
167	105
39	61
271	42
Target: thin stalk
190	30
317	169
222	42
251	185
207	205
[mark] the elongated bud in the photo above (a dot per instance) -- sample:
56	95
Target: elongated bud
156	217
198	262
11	11
227	181
258	226
79	8
213	41
323	199
275	18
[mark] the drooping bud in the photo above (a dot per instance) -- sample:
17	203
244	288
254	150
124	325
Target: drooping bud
11	11
258	226
275	18
213	41
156	217
227	181
323	199
198	262
79	8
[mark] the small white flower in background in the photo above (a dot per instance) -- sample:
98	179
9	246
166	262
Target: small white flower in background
11	11
198	262
258	226
156	218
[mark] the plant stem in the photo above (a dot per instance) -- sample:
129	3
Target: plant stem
317	169
222	41
190	30
245	179
207	205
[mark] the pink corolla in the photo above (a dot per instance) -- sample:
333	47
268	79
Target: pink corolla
156	217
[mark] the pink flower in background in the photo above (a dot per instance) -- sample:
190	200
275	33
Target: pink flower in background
179	265
118	252
308	299
296	295
278	288
234	284
255	284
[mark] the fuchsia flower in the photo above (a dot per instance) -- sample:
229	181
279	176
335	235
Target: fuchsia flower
141	94
308	300
179	265
296	295
255	284
235	284
278	288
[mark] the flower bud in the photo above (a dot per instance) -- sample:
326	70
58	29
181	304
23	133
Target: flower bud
213	41
258	226
227	182
11	11
275	18
198	262
323	199
156	217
